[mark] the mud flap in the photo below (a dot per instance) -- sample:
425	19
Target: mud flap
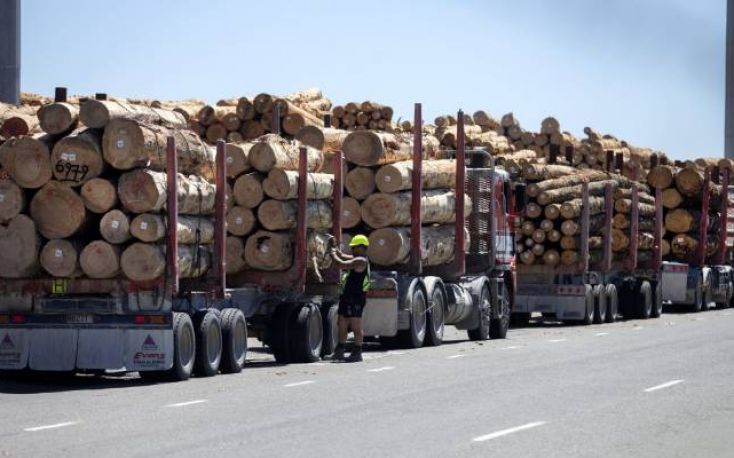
53	349
148	349
13	349
101	349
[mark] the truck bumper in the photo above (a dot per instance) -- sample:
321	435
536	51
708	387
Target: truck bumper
568	302
71	347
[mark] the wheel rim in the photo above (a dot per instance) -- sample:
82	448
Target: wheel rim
315	333
214	342
602	305
485	311
240	340
505	309
437	315
419	318
186	347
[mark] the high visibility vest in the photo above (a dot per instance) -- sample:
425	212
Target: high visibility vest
365	282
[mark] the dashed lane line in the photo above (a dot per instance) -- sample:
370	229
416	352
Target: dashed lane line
663	385
187	403
600	334
54	426
455	356
305	382
508	431
557	340
382	369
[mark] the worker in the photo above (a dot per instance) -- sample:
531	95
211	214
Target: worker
355	284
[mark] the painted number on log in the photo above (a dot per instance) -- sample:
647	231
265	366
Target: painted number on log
72	172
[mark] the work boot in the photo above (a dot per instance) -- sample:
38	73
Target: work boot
338	354
355	356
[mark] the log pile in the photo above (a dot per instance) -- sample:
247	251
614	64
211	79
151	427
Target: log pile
682	190
362	116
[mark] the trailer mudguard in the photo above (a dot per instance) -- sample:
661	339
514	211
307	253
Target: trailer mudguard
14	348
148	349
53	349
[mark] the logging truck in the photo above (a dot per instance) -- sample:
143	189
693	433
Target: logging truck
412	303
598	288
171	327
707	280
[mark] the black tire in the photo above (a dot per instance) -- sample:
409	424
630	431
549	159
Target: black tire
208	345
234	341
435	325
589	308
498	327
600	304
657	300
481	332
331	329
184	352
520	319
643	304
612	303
416	334
278	333
306	334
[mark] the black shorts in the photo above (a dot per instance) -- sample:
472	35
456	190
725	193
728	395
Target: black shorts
350	310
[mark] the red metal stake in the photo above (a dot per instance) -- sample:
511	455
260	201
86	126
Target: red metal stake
723	232
300	261
459	237
658	251
704	226
220	230
584	261
416	265
332	276
608	210
172	208
634	229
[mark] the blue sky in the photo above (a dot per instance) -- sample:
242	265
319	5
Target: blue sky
650	72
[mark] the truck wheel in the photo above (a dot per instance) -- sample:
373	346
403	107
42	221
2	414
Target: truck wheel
589	309
657	301
498	328
234	340
331	330
600	304
644	301
278	333
435	319
697	305
482	331
306	334
208	345
184	352
416	334
612	303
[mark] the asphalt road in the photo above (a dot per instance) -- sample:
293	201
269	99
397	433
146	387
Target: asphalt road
639	388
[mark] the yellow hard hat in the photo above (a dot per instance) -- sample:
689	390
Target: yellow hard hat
358	240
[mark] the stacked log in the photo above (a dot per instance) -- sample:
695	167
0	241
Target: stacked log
362	116
682	190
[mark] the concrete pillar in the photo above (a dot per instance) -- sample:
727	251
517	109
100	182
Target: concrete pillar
10	51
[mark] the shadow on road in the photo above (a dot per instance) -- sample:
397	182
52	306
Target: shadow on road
27	382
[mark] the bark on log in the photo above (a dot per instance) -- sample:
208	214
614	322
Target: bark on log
391	245
620	240
368	148
572	208
235	251
323	139
360	182
437	206
146	262
643	196
237	158
77	158
150	227
534	189
540	172
12	200
28	160
99	195
351	213
144	190
296	118
248	190
275	152
564	194
19	246
100	259
58	211
97	114
283	184
60	258
625	206
399	175
276	215
240	221
115	227
683	246
484	119
573	227
58	118
274	251
550	126
127	144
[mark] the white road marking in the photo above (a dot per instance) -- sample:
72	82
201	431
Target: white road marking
54	426
557	340
511	347
382	369
638	328
396	353
663	385
305	382
187	403
505	432
599	334
455	356
318	364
